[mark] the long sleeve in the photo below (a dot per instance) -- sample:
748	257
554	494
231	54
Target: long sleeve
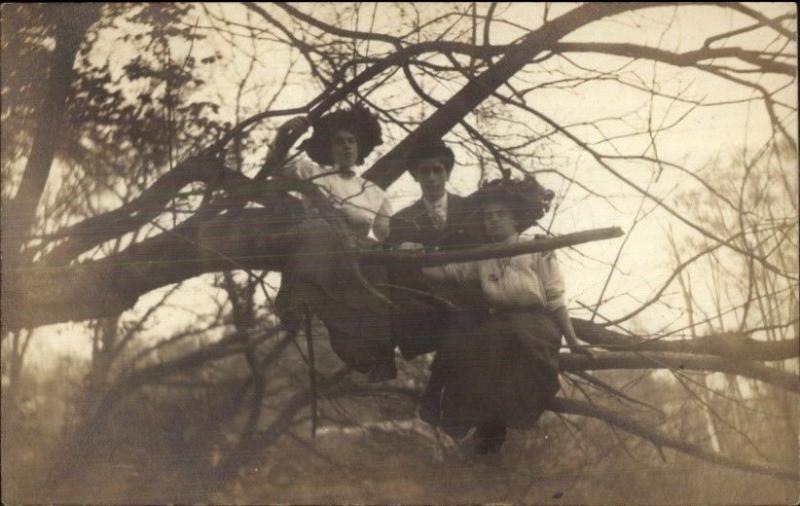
550	275
524	280
381	224
302	169
360	200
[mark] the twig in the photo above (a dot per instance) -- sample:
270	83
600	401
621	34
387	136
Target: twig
572	407
312	373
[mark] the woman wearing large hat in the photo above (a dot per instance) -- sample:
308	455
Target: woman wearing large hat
502	370
340	142
318	276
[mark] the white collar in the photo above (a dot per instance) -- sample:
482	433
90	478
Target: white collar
348	174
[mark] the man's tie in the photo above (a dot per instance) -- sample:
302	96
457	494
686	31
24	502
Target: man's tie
439	217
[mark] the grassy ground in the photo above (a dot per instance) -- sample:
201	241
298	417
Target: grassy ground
531	470
383	467
162	449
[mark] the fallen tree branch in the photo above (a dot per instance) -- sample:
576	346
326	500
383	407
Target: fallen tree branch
250	238
733	345
573	407
681	361
488	251
386	170
136	213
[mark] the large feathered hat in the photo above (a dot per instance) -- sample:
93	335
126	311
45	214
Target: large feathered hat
358	120
526	198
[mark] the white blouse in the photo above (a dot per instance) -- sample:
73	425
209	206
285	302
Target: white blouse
524	280
361	200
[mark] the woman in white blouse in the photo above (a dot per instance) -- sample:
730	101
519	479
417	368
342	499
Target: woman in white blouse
340	142
317	276
502	370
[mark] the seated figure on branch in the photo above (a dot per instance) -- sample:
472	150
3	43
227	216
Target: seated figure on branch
499	368
340	142
322	276
439	220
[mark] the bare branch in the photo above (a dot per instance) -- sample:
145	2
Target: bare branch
572	407
686	59
731	345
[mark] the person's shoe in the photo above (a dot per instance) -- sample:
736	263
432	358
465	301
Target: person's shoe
484	447
383	370
489	438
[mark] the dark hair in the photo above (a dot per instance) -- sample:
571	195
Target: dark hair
358	120
431	148
526	198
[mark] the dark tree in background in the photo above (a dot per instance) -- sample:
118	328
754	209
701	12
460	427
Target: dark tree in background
137	204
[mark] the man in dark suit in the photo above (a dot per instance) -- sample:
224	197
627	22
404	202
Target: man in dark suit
438	220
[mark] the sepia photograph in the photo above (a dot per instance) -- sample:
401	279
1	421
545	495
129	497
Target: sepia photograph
399	253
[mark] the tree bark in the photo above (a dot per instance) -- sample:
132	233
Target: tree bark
250	239
681	362
71	23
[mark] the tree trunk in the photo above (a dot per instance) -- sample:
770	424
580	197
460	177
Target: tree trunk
71	23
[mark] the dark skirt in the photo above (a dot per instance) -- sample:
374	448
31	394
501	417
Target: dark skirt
363	329
421	314
501	370
317	276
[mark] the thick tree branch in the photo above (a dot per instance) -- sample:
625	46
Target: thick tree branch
572	407
136	213
732	345
686	59
681	361
251	239
393	164
489	251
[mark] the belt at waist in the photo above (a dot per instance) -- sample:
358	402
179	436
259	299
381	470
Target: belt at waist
494	310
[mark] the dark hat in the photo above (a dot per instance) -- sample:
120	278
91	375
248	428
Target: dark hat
358	120
430	148
526	198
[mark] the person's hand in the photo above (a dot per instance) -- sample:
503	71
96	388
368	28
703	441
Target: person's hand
297	125
411	246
